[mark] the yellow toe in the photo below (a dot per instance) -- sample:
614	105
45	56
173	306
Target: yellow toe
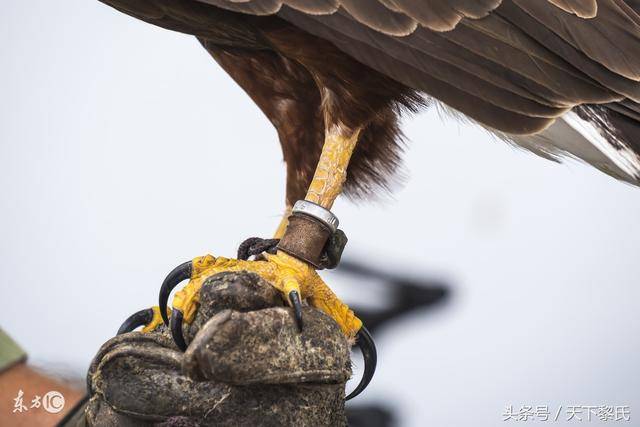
156	320
285	272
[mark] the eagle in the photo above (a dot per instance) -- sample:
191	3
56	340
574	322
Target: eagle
559	78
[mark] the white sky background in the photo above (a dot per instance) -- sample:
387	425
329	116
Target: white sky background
125	150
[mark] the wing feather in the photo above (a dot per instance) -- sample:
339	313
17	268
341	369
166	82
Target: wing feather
582	8
411	74
612	39
556	46
561	83
632	111
538	73
314	7
250	7
438	15
375	15
475	9
559	76
447	63
442	15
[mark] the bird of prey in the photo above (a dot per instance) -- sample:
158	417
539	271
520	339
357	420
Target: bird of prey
557	77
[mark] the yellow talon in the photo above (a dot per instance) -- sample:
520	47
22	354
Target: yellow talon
284	272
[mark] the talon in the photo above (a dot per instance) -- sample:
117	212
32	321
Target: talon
294	298
370	355
137	319
176	329
177	275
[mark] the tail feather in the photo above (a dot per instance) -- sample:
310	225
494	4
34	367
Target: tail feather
604	136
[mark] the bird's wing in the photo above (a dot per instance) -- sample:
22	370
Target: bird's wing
515	66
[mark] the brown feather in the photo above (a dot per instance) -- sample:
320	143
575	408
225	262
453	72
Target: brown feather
314	7
514	67
475	9
582	8
612	39
375	15
581	63
412	76
251	7
555	80
439	15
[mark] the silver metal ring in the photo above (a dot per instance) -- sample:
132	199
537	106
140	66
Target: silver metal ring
318	212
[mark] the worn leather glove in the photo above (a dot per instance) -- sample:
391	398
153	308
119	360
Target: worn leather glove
247	364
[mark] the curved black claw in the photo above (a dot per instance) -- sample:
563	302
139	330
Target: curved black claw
368	348
176	329
294	297
177	275
139	318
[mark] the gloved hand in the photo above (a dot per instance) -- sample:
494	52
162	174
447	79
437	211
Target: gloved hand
247	364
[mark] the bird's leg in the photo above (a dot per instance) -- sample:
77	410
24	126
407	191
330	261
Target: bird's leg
294	277
287	270
325	187
331	171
